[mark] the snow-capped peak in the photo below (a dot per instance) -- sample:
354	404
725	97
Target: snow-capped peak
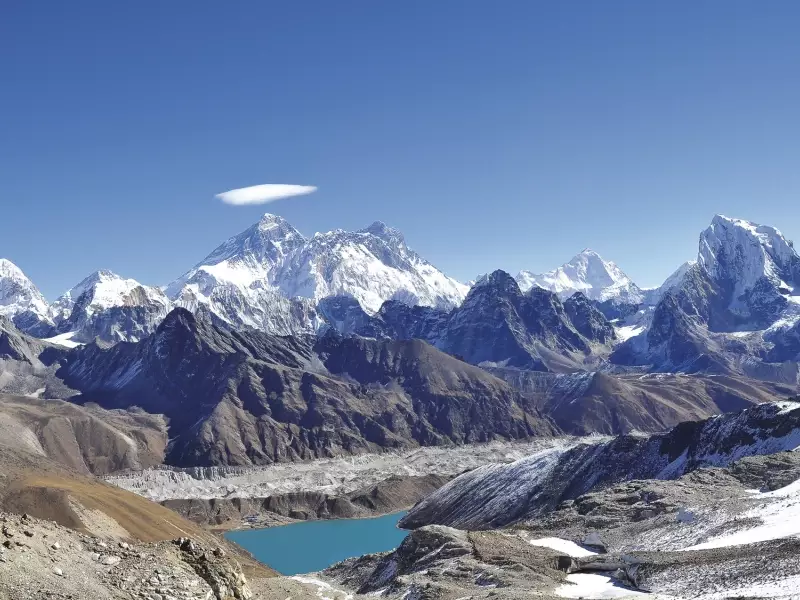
587	272
383	231
103	290
372	265
673	282
243	259
742	252
18	294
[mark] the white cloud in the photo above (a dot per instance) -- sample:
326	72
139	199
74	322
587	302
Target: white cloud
262	194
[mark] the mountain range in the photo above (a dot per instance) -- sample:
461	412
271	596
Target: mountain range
272	278
281	347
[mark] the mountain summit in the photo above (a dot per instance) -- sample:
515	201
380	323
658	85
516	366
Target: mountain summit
372	265
21	301
588	273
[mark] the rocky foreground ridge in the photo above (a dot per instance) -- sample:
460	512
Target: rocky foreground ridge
713	533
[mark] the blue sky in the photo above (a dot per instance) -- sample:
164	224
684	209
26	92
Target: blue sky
494	134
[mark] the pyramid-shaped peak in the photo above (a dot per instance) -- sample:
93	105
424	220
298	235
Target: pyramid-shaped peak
383	231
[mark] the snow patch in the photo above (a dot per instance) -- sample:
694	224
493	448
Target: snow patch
591	586
560	545
65	340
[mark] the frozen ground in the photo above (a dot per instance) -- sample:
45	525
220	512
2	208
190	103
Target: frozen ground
334	476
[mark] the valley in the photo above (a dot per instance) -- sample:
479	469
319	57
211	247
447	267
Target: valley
286	379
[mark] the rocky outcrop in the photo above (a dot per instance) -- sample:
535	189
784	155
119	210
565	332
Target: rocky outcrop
441	562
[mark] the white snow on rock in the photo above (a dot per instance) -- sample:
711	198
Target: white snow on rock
628	331
325	590
103	290
778	513
18	294
673	282
591	586
781	587
587	272
560	545
744	252
272	263
64	339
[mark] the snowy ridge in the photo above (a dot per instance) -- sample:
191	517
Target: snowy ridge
742	252
18	295
673	282
587	272
103	290
501	494
272	269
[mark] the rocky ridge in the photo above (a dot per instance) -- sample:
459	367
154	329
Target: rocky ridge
295	398
499	495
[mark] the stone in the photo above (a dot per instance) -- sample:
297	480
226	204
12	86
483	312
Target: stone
58	571
55	546
28	532
110	561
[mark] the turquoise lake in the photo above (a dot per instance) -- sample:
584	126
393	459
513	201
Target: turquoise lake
315	545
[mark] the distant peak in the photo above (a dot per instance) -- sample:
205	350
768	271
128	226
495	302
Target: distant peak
495	278
268	221
9	268
101	275
589	254
383	231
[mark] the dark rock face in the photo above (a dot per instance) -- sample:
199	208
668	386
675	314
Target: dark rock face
786	345
589	321
33	324
497	323
16	346
247	397
117	323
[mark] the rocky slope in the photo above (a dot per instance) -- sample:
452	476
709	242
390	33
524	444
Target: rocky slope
388	496
494	496
707	535
584	403
247	397
87	439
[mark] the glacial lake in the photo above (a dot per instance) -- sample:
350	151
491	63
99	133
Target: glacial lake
316	545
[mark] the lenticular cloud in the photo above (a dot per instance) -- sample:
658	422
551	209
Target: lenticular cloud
263	194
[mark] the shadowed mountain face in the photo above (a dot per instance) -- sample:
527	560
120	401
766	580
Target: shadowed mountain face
585	403
246	397
496	324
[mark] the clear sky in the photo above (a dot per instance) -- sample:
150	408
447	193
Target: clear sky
494	134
